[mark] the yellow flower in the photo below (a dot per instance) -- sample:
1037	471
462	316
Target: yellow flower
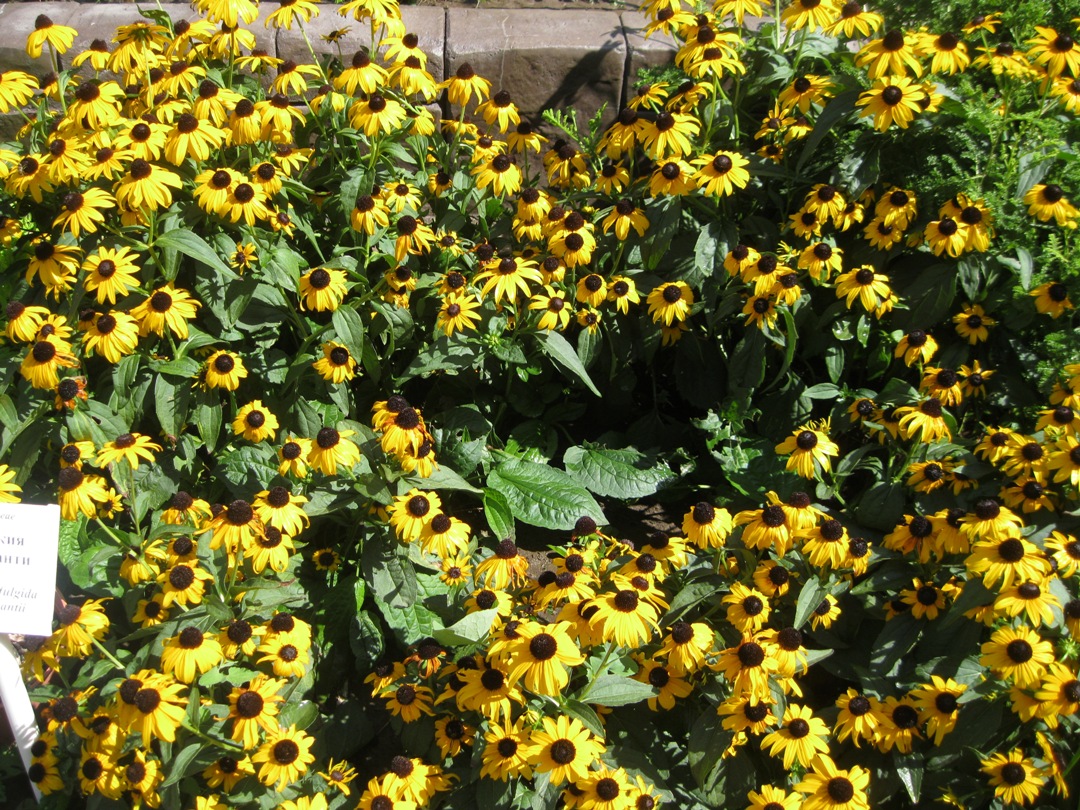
284	757
892	100
58	37
322	289
336	364
167	306
255	422
1014	777
809	446
129	447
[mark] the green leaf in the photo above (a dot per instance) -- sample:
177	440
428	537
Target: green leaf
881	507
469	630
616	473
586	716
747	366
910	770
171	404
182	764
391	576
207	416
301	714
543	496
445	478
690	595
497	512
193	247
708	740
822	391
350	330
809	598
836	110
618	690
894	642
558	349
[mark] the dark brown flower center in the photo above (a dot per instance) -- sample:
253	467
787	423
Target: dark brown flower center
543	646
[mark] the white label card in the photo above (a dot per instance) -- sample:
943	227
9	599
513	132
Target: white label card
29	539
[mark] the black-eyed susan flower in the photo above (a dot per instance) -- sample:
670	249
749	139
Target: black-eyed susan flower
924	421
625	216
564	748
487	690
167	307
336	365
865	284
973	324
190	653
1065	549
895	54
1058	53
332	448
284	757
810	14
287	656
322	289
946	236
223	369
80	493
1017	654
670	302
1052	298
1047	201
540	656
226	771
410	512
800	738
255	422
672	178
16	89
826	787
748	664
625	618
773	798
24	321
808	448
1032	600
507	753
1014	777
128	447
892	100
509	278
707	526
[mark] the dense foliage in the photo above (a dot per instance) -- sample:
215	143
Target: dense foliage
780	370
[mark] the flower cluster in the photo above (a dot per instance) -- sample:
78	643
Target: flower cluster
300	346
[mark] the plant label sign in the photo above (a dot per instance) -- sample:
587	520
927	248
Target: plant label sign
29	538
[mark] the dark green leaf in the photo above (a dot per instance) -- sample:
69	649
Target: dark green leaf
558	349
810	596
497	512
543	496
617	690
616	473
188	243
469	630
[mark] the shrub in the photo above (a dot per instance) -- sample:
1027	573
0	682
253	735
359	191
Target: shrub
314	369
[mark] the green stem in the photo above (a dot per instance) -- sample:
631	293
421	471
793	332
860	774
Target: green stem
596	674
111	533
108	655
230	745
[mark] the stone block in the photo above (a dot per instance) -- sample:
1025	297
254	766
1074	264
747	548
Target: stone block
544	58
427	22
